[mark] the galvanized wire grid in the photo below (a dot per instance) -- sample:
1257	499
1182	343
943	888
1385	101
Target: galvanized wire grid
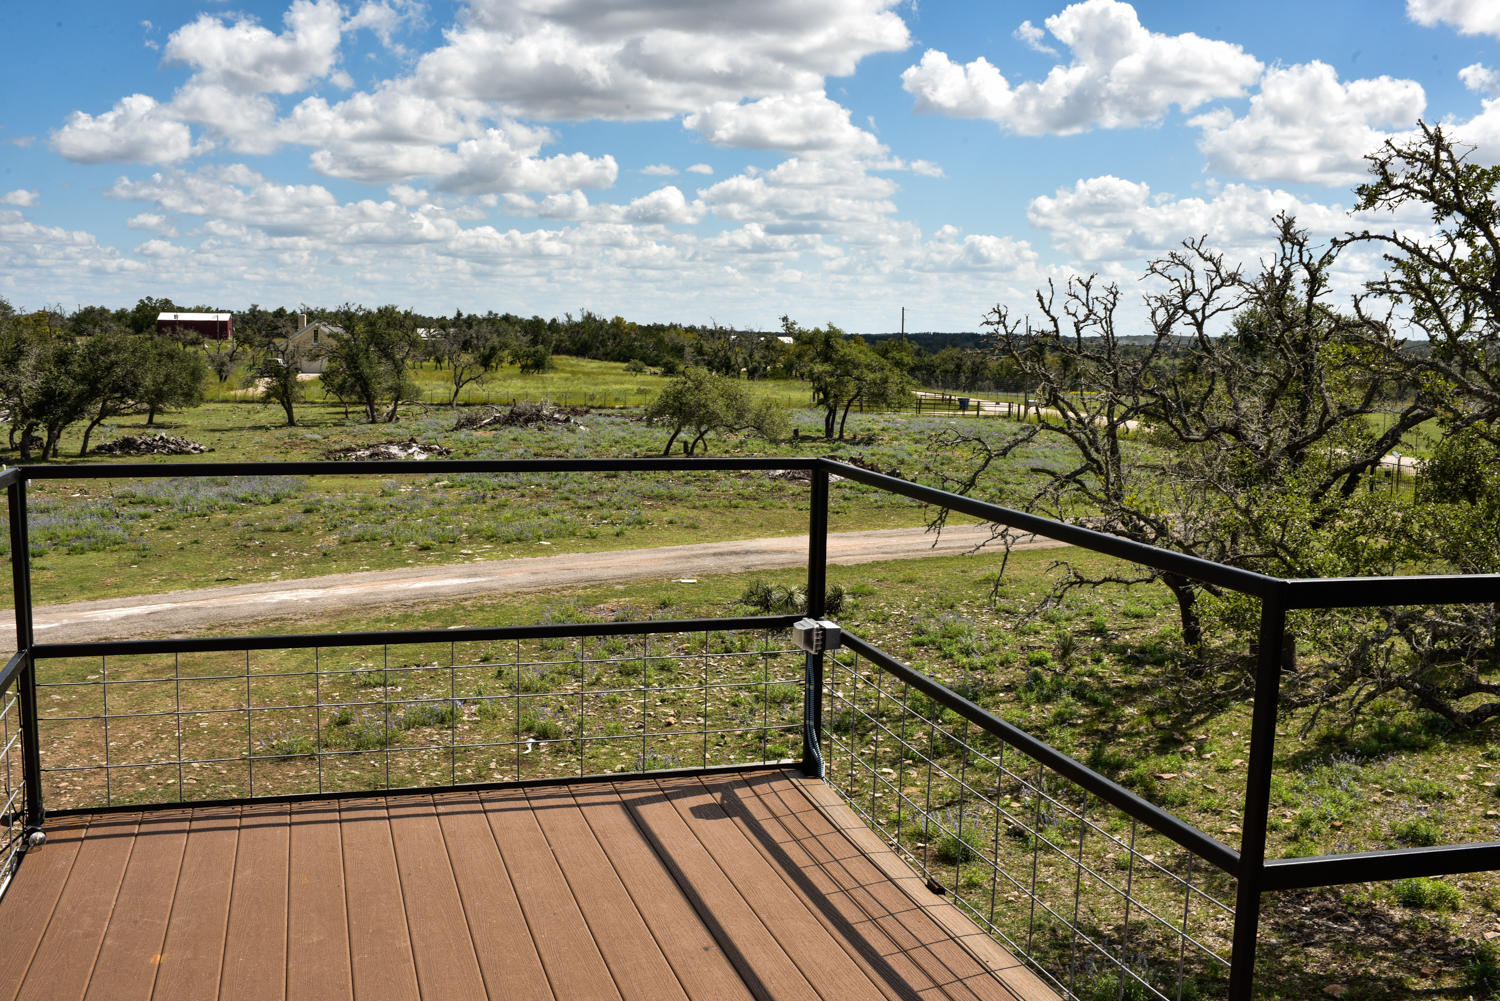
13	816
1097	903
180	727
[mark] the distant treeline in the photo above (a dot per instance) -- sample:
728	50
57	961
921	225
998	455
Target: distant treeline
941	360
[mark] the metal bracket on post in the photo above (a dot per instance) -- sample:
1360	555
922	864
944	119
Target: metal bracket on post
817	637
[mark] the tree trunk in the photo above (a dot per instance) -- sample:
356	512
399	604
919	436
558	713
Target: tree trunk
151	415
84	448
675	432
845	416
286	404
1186	593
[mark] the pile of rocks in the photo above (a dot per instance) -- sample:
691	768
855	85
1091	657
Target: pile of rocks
151	444
387	450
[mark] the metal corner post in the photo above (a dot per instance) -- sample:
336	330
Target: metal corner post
1257	795
817	586
20	571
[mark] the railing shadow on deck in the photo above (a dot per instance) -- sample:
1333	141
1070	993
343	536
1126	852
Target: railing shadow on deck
1070	870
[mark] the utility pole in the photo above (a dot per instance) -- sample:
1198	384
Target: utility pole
903	324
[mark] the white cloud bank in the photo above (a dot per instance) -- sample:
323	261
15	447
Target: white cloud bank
1470	17
1121	75
1304	125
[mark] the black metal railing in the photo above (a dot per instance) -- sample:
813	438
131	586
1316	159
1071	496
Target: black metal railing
1074	872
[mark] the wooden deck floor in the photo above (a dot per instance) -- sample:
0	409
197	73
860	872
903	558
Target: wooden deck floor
758	885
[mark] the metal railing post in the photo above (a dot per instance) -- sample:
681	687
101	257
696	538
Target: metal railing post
1257	795
20	572
817	586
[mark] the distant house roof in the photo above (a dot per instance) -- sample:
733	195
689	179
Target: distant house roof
195	317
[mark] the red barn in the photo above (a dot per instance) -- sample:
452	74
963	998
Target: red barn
208	326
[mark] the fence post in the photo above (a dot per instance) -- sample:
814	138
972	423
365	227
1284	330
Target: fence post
20	571
1257	794
817	586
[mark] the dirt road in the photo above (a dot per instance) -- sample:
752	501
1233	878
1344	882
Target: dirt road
189	612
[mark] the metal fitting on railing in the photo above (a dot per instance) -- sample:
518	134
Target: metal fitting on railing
817	635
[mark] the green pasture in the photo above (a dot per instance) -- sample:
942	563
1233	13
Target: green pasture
107	538
572	381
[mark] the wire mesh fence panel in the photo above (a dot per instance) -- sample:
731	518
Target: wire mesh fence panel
1095	901
126	729
12	782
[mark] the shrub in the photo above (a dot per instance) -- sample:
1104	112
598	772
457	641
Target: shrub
1419	831
1481	978
956	850
1427	894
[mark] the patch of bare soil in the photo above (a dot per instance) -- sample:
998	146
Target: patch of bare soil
151	444
387	450
522	414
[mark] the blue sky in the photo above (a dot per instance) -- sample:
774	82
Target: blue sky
685	160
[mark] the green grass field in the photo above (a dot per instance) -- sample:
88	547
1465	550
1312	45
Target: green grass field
571	382
97	538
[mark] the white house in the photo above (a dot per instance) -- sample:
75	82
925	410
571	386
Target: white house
310	341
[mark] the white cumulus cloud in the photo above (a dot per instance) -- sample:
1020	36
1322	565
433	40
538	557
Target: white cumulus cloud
248	58
1479	77
637	59
1304	125
793	123
136	130
1121	75
21	198
1470	17
1033	37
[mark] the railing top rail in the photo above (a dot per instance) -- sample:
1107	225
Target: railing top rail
1368	592
1234	578
281	641
12	474
12	666
1203	845
399	467
1387	865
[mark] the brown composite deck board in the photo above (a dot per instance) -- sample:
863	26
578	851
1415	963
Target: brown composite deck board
1017	979
631	952
574	966
255	947
497	928
65	957
881	947
38	897
825	959
446	964
859	893
700	964
759	957
380	951
759	885
130	954
193	954
317	935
